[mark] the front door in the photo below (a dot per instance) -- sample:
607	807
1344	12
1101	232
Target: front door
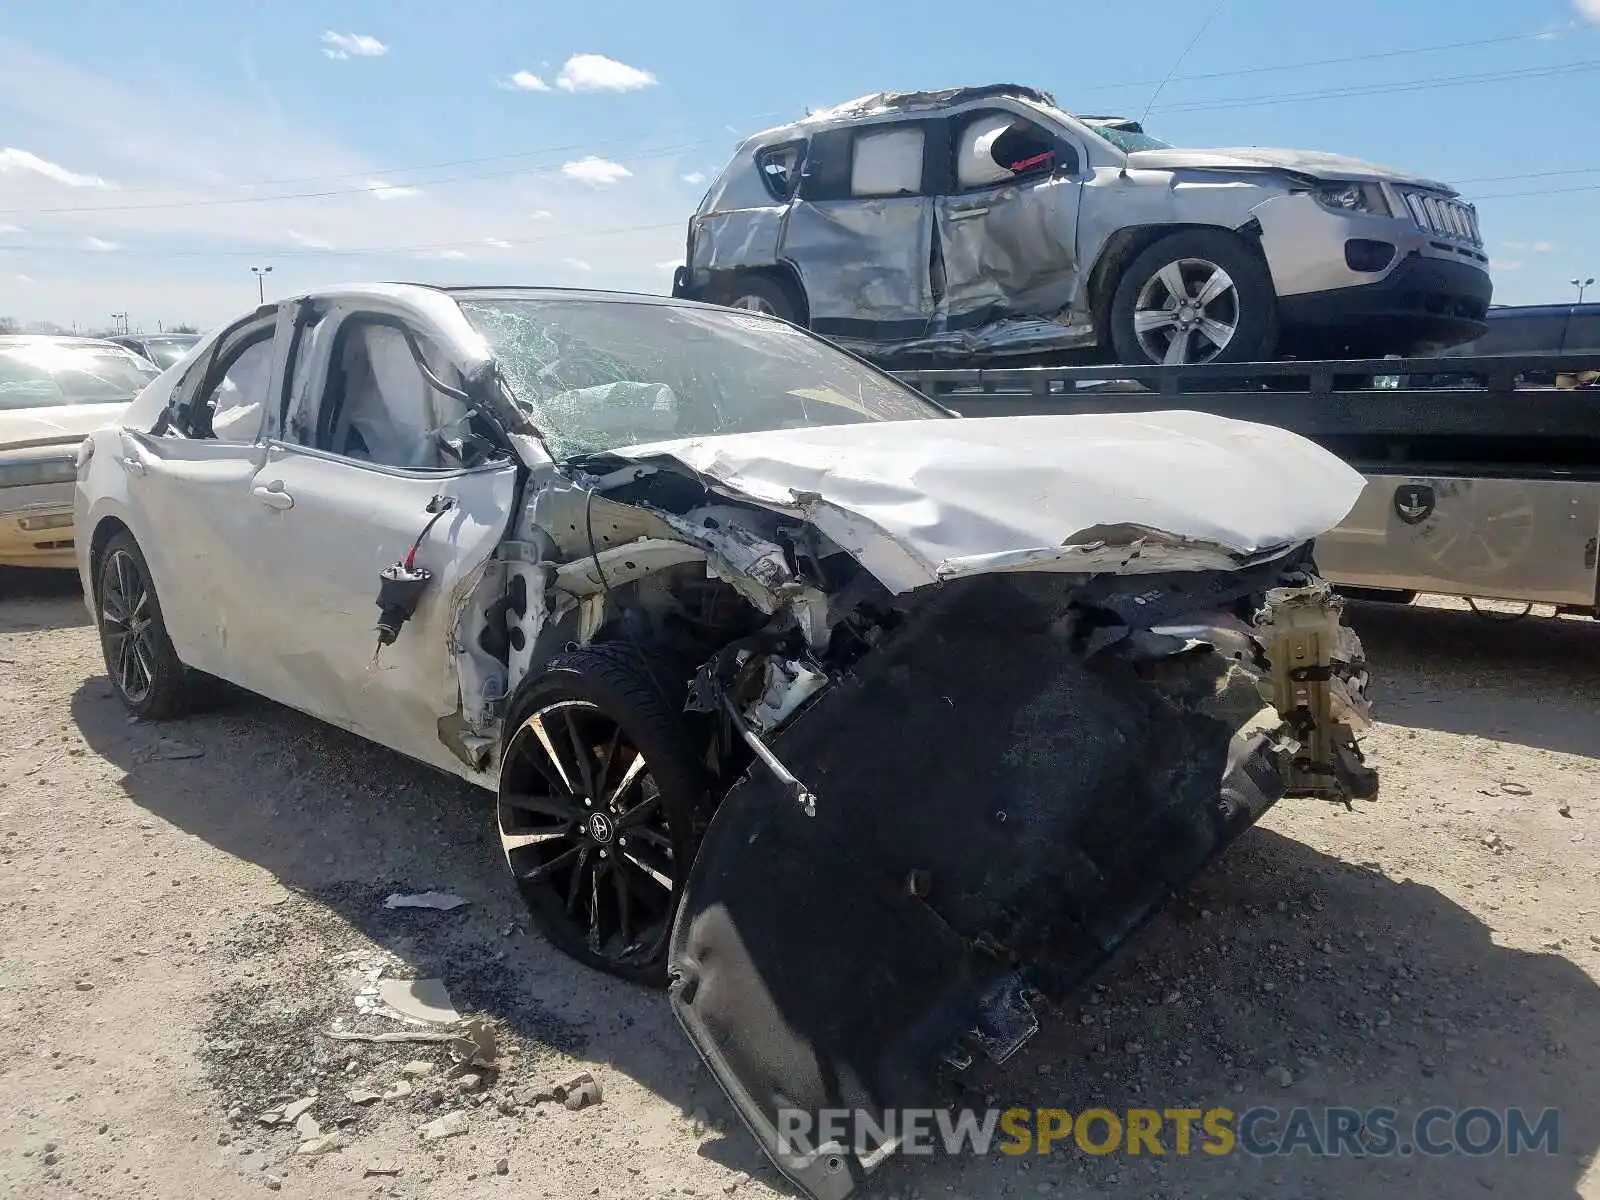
1007	220
861	232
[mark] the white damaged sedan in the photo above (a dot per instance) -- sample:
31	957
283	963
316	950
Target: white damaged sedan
862	726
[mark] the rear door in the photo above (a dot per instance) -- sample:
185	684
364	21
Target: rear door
1007	218
861	230
373	487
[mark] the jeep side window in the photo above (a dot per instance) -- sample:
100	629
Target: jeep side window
779	167
887	161
997	147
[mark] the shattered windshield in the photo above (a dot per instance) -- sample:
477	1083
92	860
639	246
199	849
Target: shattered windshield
603	375
47	374
1129	140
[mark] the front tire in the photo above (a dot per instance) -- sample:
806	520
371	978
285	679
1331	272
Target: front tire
601	803
145	670
1196	296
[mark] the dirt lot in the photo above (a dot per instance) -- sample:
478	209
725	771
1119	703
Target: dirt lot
184	909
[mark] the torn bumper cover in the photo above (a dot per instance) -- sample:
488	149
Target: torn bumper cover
1016	779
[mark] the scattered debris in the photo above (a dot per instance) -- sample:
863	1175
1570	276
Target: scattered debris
399	1090
388	1169
450	1125
444	901
1565	810
170	748
420	1001
291	1112
306	1127
363	1096
1280	1076
1495	842
502	1166
418	1068
580	1091
323	1143
1512	788
353	1035
471	1081
474	1051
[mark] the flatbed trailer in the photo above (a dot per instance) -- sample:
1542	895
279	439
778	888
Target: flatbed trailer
1484	492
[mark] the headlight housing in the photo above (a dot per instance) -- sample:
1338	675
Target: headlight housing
56	468
1353	197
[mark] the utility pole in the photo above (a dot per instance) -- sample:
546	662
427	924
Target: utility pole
1582	285
122	321
261	273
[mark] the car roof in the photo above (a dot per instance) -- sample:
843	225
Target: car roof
57	339
1503	311
404	291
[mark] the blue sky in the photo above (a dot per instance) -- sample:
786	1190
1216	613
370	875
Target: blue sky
567	143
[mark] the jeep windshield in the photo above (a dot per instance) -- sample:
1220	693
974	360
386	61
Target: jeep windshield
595	375
1127	136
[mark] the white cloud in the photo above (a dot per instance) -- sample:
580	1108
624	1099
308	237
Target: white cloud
307	241
540	214
1506	264
389	191
99	244
1543	247
597	172
23	278
1589	10
524	81
497	243
12	229
597	73
352	45
695	177
1515	245
444	255
577	264
12	159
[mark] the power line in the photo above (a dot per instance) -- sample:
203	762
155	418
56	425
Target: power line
592	144
1329	62
1342	93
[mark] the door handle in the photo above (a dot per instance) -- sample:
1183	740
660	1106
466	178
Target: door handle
133	465
273	495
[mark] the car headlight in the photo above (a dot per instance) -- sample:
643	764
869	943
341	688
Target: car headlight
1353	197
58	468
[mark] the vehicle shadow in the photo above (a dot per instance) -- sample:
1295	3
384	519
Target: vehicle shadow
1368	990
1534	681
33	598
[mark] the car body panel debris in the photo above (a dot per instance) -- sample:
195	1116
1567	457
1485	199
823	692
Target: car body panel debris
444	901
420	1001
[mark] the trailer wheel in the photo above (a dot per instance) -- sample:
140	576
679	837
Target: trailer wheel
1196	296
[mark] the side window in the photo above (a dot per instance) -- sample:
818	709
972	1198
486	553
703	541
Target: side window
1583	331
238	401
998	147
378	406
1522	334
887	161
780	168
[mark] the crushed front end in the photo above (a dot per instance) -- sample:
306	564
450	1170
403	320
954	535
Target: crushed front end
963	823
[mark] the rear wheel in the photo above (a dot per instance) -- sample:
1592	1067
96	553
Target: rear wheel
762	294
601	800
1193	297
144	669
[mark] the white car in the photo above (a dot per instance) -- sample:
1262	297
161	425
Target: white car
53	391
859	722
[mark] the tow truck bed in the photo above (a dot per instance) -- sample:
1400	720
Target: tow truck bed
1490	491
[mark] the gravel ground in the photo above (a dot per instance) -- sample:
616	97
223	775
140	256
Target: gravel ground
184	908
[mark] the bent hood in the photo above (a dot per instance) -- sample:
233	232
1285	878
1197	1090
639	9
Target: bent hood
917	502
1316	163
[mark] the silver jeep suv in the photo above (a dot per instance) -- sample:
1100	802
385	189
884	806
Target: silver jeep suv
988	221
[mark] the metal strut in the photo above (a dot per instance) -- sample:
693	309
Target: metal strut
798	791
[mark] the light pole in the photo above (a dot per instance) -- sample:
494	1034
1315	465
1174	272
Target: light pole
122	321
261	291
1581	284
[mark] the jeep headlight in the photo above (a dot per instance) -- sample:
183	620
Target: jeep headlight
1353	197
